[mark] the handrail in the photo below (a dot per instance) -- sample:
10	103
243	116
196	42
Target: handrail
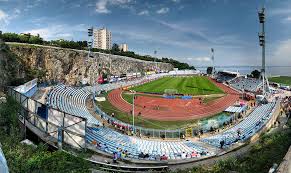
25	112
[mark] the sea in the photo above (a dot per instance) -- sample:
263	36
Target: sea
244	70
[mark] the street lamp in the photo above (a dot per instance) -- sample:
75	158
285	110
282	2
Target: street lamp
155	54
212	58
133	93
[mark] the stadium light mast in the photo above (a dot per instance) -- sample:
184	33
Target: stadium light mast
261	15
212	58
89	44
90	34
156	66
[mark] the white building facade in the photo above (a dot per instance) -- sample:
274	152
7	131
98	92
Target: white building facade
102	38
123	47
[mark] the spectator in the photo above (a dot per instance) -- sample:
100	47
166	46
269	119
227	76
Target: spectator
183	155
118	153
222	144
123	155
141	155
193	154
114	157
164	157
94	142
158	157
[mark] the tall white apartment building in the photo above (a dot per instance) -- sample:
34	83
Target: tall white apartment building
123	47
102	38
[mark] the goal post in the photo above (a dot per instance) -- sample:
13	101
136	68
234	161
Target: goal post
170	91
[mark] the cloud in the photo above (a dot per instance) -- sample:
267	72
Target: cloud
288	18
144	12
102	5
17	11
280	11
176	1
32	4
202	33
4	17
57	31
197	30
200	59
282	53
163	10
150	37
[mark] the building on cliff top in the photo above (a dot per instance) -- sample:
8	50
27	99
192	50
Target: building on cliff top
102	38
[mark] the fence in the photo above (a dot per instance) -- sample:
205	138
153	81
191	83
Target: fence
158	133
63	127
140	130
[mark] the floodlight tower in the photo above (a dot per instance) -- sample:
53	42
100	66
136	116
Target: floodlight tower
89	44
212	58
90	34
261	15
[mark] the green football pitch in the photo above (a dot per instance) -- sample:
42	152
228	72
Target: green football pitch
281	79
195	85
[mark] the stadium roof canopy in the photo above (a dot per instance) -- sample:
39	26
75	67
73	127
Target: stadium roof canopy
236	109
3	163
230	72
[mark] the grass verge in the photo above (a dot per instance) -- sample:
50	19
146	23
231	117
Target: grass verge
281	79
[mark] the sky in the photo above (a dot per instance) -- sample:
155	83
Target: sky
185	30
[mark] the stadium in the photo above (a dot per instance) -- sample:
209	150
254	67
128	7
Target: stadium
142	108
150	117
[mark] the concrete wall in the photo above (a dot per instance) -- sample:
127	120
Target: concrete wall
285	166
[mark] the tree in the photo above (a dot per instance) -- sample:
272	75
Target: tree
115	47
209	70
256	74
35	40
23	38
10	37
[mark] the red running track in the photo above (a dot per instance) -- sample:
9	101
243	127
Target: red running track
174	109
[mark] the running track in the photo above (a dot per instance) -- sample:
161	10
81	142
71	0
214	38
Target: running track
174	109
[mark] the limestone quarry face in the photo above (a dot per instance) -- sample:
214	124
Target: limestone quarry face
72	66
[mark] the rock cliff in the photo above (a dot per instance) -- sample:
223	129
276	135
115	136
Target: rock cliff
72	66
10	67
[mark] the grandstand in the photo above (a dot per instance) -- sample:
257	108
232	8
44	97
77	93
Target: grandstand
71	100
245	129
112	141
246	84
225	76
